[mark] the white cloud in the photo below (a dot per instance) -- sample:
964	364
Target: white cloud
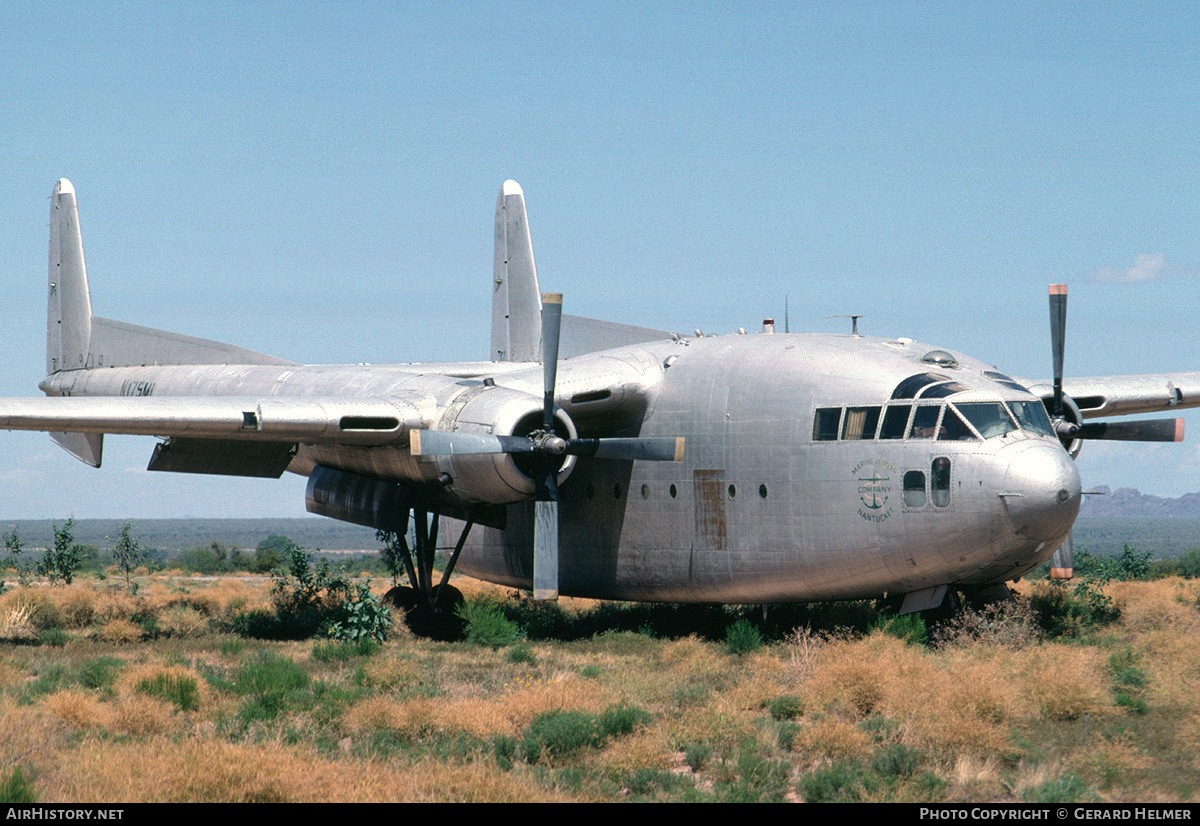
1147	267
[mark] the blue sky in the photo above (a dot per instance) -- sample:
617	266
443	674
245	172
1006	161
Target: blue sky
317	180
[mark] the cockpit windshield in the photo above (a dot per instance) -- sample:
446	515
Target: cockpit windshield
913	413
1032	416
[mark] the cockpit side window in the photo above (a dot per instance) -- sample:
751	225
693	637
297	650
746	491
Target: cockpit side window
895	421
953	428
924	424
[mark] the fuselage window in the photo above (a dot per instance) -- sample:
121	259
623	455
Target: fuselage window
895	421
989	418
825	423
914	489
1032	416
860	423
939	482
924	424
953	428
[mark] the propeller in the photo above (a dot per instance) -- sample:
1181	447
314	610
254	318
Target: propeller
1065	415
544	448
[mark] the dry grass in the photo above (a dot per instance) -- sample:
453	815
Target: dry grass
418	720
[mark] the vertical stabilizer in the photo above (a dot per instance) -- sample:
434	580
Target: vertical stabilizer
69	306
516	299
69	310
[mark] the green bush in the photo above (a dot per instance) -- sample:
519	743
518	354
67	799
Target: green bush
179	689
364	618
557	734
16	789
100	672
486	624
787	707
742	638
623	718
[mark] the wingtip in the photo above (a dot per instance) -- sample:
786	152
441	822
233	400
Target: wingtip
511	187
1058	289
64	187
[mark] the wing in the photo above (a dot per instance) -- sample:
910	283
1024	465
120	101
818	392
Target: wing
1128	395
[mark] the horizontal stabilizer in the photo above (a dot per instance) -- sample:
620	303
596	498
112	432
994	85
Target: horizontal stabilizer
581	336
117	344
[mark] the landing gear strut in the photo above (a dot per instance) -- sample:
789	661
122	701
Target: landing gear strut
430	610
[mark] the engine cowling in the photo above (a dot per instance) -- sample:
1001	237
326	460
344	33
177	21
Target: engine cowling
501	478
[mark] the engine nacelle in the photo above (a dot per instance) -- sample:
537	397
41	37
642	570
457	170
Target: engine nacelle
500	478
1072	414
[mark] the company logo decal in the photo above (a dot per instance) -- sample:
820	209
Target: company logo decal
874	478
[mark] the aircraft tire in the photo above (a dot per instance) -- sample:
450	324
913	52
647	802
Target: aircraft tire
443	624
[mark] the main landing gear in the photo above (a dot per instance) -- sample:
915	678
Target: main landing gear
429	610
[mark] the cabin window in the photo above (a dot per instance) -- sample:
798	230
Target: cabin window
989	418
860	423
914	489
825	423
895	421
924	424
940	481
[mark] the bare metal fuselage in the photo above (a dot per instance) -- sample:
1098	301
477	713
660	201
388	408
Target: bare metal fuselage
758	511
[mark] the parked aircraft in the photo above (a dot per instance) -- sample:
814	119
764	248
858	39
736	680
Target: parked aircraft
595	459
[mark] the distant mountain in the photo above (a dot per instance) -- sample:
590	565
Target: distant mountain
1129	502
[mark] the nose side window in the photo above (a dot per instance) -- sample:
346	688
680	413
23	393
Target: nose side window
940	481
914	489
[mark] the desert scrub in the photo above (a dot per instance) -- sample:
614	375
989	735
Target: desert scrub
485	624
175	685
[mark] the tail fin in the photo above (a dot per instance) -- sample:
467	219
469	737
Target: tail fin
516	299
69	308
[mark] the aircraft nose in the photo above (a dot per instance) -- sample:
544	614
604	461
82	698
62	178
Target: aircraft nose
1042	490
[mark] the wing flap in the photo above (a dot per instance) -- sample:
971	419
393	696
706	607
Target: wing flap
307	420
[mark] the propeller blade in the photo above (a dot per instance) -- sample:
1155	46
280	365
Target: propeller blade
1061	564
1058	328
648	449
551	325
1141	430
545	550
545	494
454	443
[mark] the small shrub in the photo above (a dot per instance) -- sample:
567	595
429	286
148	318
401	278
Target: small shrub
787	707
180	689
844	782
907	627
742	638
100	672
331	652
16	789
622	718
54	637
364	618
1011	625
1065	789
522	653
558	734
486	624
